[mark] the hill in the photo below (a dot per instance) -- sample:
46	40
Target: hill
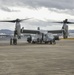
71	31
6	31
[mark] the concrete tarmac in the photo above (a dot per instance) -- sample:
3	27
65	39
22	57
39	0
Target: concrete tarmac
37	59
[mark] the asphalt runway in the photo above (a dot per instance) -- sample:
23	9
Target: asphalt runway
37	59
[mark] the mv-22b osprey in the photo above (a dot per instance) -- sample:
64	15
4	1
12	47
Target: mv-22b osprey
18	30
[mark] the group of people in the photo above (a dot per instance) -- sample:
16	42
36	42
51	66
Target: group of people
13	41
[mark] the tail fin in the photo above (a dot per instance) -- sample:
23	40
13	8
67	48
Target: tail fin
38	28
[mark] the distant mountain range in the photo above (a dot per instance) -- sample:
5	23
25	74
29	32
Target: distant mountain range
71	31
7	31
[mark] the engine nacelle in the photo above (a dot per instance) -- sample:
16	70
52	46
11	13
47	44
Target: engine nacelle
17	31
65	31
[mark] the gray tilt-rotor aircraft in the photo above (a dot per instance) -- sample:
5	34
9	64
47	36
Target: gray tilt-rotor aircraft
18	30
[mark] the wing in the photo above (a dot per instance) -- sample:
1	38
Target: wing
30	31
55	31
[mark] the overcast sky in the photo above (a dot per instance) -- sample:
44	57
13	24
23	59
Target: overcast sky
42	13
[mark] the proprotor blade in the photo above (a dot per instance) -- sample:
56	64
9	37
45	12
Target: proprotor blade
57	22
13	21
24	19
70	22
65	21
8	21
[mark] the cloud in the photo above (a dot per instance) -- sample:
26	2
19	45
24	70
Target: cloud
8	9
43	10
64	6
59	4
